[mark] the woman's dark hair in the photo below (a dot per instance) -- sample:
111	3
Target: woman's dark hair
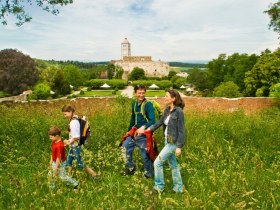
178	100
68	108
139	87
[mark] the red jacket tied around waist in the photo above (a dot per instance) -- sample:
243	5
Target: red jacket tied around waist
151	143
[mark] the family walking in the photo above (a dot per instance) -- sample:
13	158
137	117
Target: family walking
142	125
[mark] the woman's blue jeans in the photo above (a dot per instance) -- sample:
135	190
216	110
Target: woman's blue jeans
167	154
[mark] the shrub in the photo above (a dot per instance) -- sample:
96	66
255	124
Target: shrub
275	91
227	89
41	91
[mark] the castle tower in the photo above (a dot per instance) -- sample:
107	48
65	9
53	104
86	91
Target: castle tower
125	48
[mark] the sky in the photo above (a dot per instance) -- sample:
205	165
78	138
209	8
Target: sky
167	30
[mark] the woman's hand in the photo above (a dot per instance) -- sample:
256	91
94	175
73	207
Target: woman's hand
178	151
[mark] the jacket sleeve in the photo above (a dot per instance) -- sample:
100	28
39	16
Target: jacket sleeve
160	122
132	117
181	129
150	113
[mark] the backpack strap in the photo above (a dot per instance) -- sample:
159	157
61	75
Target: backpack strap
142	110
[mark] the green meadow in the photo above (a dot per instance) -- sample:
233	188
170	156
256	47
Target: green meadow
230	160
99	93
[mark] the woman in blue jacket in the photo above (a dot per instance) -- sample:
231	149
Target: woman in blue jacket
174	133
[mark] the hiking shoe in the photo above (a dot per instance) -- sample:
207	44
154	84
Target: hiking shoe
157	191
129	172
96	177
146	176
75	187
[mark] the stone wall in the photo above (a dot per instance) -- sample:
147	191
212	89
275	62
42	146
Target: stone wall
21	97
193	104
249	105
137	58
151	68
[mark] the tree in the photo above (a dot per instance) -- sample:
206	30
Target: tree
198	78
17	8
264	74
119	72
275	91
72	75
41	91
17	71
110	71
59	85
137	74
236	65
95	71
216	71
227	89
274	14
171	74
179	82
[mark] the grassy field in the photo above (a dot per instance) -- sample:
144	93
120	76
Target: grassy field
155	93
3	94
230	161
178	69
98	93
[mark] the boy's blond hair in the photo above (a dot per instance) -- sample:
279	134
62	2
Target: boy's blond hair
54	131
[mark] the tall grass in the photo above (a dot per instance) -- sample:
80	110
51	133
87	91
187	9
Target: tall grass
230	161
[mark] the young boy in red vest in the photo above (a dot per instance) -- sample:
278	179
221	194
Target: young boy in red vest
58	159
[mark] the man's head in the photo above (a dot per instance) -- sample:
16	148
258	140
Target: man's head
140	91
54	133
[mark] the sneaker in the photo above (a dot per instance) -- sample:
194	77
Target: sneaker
75	187
127	172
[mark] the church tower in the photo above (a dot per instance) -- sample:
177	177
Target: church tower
125	48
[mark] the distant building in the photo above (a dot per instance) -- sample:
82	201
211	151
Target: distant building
128	63
183	74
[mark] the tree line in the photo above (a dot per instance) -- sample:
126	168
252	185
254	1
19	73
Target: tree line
228	75
238	75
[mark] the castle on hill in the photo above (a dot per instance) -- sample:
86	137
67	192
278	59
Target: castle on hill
128	63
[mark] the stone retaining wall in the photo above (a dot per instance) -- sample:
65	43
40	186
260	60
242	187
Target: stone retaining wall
193	104
250	105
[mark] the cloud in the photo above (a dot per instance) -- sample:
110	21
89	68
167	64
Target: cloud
164	29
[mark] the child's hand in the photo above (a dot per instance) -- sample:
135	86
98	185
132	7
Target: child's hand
178	152
66	142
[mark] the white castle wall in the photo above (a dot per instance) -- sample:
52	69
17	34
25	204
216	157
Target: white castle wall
151	68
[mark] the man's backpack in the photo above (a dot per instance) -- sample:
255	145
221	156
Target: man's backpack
157	109
84	130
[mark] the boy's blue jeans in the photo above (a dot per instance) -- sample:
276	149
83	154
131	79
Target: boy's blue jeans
167	153
62	175
140	142
75	153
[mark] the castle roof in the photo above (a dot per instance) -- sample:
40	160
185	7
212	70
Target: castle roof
125	41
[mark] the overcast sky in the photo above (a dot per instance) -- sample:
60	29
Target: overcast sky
169	30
